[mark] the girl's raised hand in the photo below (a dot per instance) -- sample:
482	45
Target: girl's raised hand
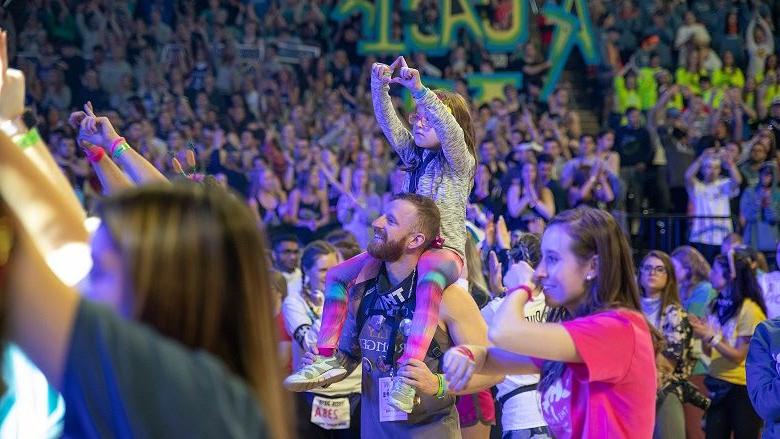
381	72
408	77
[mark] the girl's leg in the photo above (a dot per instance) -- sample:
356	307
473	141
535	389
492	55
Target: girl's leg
335	310
436	270
326	368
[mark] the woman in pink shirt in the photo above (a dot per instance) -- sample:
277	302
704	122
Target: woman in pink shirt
595	355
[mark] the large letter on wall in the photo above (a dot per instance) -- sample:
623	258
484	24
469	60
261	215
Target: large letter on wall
562	42
383	44
415	39
486	87
585	38
451	23
507	40
345	8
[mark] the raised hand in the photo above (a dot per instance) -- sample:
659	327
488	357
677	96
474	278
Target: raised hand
11	85
94	129
495	274
519	273
408	77
503	238
381	72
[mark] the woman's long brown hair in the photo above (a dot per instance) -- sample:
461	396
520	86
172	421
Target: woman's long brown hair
198	274
670	295
595	232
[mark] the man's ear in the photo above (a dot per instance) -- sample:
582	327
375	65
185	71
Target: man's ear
416	241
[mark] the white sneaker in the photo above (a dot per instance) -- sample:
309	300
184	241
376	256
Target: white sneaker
324	371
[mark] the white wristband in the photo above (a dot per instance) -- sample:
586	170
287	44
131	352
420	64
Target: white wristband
715	340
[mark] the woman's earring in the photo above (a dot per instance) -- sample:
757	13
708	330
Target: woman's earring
589	277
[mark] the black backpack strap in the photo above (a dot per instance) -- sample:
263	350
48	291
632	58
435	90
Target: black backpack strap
517	391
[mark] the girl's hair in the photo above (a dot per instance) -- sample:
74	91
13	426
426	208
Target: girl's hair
694	263
596	233
312	252
670	295
743	285
474	263
460	110
198	274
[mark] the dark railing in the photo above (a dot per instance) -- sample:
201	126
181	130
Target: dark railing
662	231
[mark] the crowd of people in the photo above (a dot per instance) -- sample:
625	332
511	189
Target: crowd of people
295	134
446	268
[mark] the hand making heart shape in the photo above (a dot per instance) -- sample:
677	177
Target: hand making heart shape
407	76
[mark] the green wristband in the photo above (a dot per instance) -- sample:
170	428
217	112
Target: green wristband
28	139
442	391
120	150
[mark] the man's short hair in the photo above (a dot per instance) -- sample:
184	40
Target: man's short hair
428	217
285	237
545	158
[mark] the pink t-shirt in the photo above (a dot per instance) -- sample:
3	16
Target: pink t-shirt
612	393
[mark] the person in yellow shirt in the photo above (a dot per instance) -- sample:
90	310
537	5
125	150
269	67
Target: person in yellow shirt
627	89
731	321
689	75
729	75
711	96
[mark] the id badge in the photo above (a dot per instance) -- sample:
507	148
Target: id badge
388	413
330	414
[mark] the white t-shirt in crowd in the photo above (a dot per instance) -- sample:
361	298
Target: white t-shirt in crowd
770	286
712	199
522	411
294	281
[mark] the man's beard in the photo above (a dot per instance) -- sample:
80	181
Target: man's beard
388	251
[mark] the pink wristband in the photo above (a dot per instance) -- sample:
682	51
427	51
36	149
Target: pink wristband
467	352
118	141
525	288
95	154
